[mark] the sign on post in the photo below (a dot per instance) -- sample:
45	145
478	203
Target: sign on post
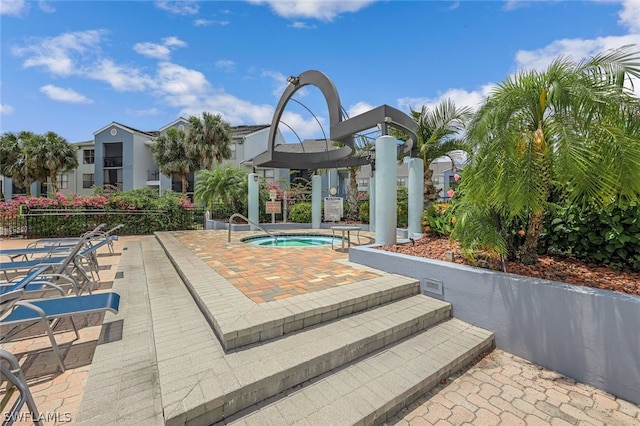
333	209
273	207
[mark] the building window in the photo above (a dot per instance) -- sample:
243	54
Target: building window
402	181
88	156
363	184
63	181
267	174
87	180
233	151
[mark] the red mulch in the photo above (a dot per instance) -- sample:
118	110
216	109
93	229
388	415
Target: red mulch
555	268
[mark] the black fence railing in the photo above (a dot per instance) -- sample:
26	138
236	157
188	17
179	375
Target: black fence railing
40	223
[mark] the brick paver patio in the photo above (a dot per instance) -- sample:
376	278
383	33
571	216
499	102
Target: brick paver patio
500	389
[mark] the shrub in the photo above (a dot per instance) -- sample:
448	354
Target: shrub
300	213
609	235
363	211
438	219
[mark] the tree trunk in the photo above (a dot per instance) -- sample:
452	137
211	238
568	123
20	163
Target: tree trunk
430	193
352	197
529	250
54	182
185	183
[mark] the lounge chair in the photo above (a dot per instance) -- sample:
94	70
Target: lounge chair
97	234
11	371
15	312
38	280
77	261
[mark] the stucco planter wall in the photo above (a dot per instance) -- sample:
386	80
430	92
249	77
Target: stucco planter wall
590	335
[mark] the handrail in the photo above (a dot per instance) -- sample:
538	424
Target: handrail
251	223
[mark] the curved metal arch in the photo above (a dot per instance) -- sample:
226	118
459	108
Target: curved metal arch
341	130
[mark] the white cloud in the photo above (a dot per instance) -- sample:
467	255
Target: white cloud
144	112
281	84
120	78
159	51
6	109
302	25
304	127
630	15
208	22
64	95
152	50
460	97
359	108
324	10
576	49
184	7
58	55
13	7
225	64
173	42
46	7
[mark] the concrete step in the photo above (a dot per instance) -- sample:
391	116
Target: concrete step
265	370
376	387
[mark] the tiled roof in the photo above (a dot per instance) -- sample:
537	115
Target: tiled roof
239	131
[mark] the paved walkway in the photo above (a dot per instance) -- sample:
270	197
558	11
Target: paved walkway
499	389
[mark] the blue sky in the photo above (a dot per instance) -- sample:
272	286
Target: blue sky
73	67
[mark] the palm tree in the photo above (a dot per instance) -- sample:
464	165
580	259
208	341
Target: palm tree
438	131
574	124
210	138
172	156
227	185
53	154
14	161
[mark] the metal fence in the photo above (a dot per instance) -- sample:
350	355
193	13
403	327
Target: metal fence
40	223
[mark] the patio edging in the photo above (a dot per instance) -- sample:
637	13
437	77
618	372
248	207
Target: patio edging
587	334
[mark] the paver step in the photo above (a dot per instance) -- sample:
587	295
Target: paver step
238	321
376	387
261	372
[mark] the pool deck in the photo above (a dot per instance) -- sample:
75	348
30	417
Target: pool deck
500	389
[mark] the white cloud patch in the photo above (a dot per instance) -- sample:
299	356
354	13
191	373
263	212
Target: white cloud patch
281	83
59	55
13	8
575	49
359	108
323	10
460	97
46	6
152	50
302	26
6	109
144	112
120	78
159	51
184	7
226	65
630	15
64	95
209	22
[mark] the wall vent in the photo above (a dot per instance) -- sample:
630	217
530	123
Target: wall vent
432	286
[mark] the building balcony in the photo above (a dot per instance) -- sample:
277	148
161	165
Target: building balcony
112	162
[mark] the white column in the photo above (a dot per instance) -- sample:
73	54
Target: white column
416	195
253	201
316	201
386	208
372	202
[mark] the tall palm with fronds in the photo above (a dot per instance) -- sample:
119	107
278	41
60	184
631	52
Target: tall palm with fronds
14	161
52	153
439	131
574	124
172	155
210	138
227	185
